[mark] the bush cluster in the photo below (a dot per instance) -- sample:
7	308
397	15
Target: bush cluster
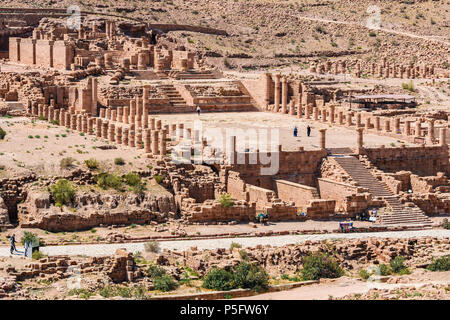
320	265
161	280
2	134
245	275
440	264
226	200
63	192
91	164
109	181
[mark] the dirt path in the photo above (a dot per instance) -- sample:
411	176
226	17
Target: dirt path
181	245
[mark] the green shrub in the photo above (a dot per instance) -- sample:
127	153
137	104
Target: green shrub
363	274
158	178
134	181
2	134
119	161
440	264
319	265
235	245
92	164
108	181
218	279
30	237
384	270
226	200
250	276
37	255
63	192
408	86
155	271
372	34
165	283
66	163
152	246
397	264
446	224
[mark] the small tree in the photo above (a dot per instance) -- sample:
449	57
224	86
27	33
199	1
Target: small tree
226	200
91	164
2	134
398	266
63	192
165	283
31	238
440	264
218	279
119	161
319	265
107	181
250	276
152	246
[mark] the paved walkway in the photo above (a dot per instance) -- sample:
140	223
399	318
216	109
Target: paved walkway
181	245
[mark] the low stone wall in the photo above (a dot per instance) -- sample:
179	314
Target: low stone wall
298	193
431	203
428	184
92	210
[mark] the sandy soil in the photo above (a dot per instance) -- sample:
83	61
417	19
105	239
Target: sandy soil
39	147
338	288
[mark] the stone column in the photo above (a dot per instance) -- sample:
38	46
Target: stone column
73	121
158	124
316	113
131	139
163	144
139	139
152	124
299	110
418	132
277	92
332	111
132	111
322	138
324	115
84	124
292	108
349	120
62	117
284	95
155	137
126	111
358	119
367	123
430	137
114	115
387	124
111	132
396	125
377	123
120	114
105	130
407	127
443	137
68	118
341	118
360	139
308	111
173	130
118	135
147	147
125	135
98	126
91	126
108	113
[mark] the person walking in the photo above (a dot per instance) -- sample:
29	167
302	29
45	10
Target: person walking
295	131
308	130
198	110
12	241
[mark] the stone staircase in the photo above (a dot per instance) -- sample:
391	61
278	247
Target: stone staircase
401	214
176	100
